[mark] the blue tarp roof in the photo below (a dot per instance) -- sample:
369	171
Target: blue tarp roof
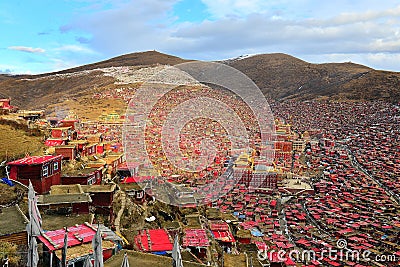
256	232
5	180
159	252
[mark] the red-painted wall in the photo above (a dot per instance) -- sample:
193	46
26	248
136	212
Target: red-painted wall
41	183
80	208
244	240
67	123
95	176
102	198
56	133
68	153
66	180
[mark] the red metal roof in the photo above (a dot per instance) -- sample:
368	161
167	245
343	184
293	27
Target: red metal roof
54	142
77	235
224	236
248	224
304	242
34	160
137	179
195	238
219	226
123	167
154	240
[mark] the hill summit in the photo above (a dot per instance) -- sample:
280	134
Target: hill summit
279	76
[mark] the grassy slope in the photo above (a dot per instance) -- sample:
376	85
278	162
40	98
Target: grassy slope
15	143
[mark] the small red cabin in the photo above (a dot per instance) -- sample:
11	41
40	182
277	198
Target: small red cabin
43	171
64	133
102	198
79	244
73	123
86	176
5	106
243	236
60	132
89	149
69	152
5	103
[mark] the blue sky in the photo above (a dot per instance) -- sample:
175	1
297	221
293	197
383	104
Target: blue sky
43	35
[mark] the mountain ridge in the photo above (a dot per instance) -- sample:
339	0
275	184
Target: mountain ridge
279	76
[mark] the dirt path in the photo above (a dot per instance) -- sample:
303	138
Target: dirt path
120	212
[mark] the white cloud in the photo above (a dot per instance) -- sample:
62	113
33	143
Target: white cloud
354	30
75	49
299	9
384	61
61	64
133	26
262	33
241	8
358	17
27	49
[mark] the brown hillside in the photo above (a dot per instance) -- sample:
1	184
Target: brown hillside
38	93
281	76
15	143
146	58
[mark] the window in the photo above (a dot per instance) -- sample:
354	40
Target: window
91	180
45	170
55	166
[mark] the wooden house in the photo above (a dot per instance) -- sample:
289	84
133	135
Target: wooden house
154	240
70	122
65	133
127	169
79	245
80	145
102	198
60	136
67	199
69	152
13	225
222	233
85	176
197	241
90	149
6	107
112	161
54	142
243	236
43	171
